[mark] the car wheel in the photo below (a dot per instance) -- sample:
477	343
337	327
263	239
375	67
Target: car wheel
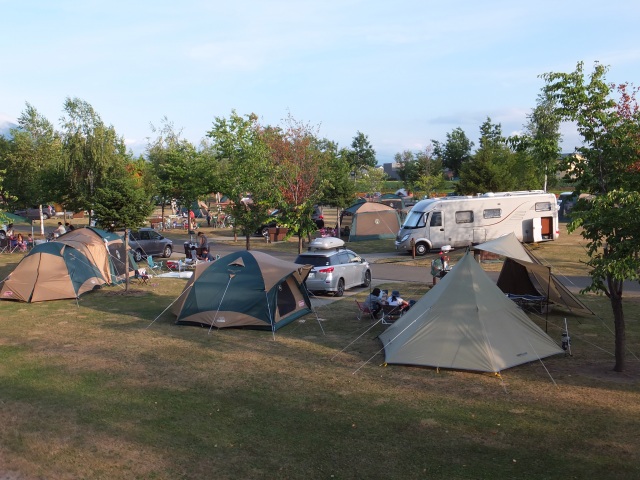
340	290
265	232
45	216
421	249
367	278
137	255
167	251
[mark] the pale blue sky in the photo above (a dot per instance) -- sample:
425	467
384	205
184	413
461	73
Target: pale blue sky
403	72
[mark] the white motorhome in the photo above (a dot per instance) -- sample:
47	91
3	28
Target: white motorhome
461	221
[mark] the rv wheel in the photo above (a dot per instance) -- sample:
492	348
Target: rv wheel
421	249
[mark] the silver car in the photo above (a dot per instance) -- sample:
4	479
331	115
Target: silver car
334	269
146	242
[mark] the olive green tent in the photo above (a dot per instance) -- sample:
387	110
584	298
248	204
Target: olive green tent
465	322
244	289
370	221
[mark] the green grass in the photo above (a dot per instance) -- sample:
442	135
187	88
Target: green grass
92	390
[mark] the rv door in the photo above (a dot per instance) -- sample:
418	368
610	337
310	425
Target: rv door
436	229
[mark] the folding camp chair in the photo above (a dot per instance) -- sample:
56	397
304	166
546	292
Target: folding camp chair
364	310
156	268
390	313
141	276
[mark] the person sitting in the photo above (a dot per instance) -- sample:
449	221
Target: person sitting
395	300
9	233
20	243
202	241
205	256
30	241
69	227
60	230
373	302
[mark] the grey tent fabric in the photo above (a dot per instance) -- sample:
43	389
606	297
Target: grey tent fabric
524	274
466	322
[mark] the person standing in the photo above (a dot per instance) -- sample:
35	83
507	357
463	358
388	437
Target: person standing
202	242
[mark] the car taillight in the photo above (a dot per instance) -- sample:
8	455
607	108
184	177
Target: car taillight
326	270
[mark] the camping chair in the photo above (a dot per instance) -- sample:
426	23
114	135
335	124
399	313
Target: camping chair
364	310
390	313
141	276
156	268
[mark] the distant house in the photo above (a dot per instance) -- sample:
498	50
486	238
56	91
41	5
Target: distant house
391	169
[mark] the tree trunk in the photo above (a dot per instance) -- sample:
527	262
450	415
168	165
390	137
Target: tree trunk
248	242
126	259
615	298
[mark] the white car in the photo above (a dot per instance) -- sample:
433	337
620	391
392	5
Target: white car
335	268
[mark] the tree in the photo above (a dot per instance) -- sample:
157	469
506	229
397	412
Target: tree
607	168
91	148
371	180
122	202
455	152
244	160
491	168
337	188
361	155
181	171
541	140
299	162
420	171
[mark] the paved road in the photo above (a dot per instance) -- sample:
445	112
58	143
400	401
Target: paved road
382	272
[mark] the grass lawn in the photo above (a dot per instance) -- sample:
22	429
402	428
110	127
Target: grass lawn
94	389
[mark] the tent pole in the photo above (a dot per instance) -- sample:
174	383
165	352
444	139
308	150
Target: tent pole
546	320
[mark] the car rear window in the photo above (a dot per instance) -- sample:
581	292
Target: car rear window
315	260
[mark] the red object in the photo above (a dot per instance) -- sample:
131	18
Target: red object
326	270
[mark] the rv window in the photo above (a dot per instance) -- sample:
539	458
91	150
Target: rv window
436	219
465	216
415	220
492	213
543	207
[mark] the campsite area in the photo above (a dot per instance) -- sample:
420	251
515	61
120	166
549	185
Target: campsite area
107	387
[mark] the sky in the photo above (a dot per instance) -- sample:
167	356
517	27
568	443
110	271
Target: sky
404	73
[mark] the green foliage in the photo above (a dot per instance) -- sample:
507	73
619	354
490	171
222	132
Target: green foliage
337	188
361	155
91	149
246	168
455	152
607	166
420	172
122	202
491	168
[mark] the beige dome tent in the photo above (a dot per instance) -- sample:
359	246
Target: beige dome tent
465	322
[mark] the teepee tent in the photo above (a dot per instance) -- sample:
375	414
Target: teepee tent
370	221
466	323
523	274
244	289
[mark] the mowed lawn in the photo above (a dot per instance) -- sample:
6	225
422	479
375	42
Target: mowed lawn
108	388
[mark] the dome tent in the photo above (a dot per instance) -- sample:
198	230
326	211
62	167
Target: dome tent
244	289
77	262
370	221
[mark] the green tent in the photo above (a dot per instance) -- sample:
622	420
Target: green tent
370	221
244	289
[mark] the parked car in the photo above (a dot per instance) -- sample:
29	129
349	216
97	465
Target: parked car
147	242
33	213
270	223
335	268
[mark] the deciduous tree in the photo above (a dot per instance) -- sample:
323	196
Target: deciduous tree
608	119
